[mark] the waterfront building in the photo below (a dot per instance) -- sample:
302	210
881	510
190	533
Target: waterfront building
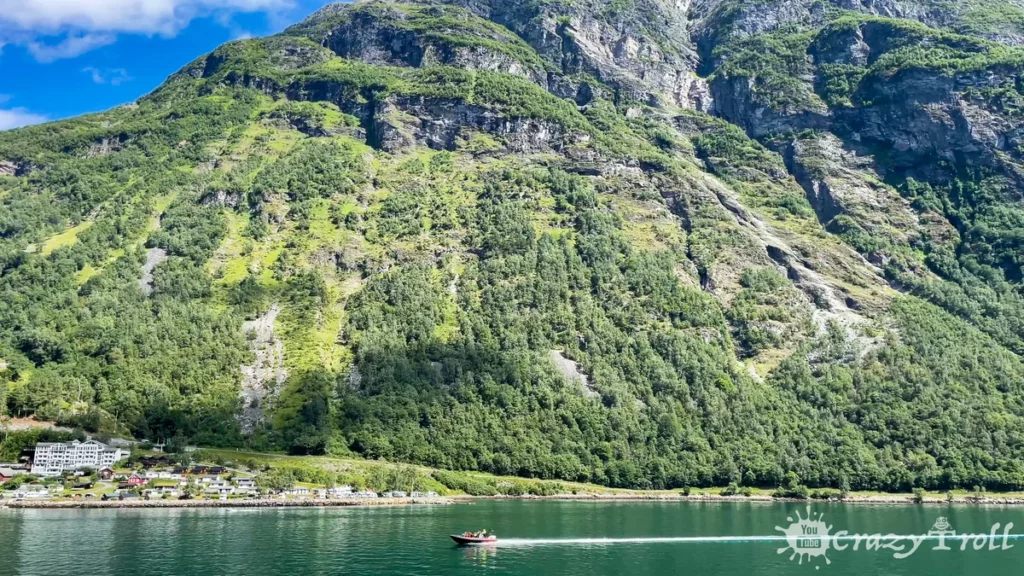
54	458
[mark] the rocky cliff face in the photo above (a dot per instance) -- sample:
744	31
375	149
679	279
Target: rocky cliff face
891	90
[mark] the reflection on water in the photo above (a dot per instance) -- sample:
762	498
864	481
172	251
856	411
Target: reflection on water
480	555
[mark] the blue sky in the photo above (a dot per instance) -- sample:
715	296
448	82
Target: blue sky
61	58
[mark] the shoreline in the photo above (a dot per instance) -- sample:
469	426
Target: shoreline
896	499
902	500
261	503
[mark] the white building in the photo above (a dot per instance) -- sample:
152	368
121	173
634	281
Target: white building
340	492
52	458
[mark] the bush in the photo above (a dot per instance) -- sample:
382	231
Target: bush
546	488
465	483
918	495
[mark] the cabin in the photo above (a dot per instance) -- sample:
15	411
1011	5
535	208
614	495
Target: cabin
155	462
106	473
137	480
6	473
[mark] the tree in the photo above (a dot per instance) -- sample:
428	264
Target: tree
192	489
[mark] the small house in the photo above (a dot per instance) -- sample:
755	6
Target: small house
7	473
298	491
106	473
137	480
221	491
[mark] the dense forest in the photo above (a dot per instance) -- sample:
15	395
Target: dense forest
720	253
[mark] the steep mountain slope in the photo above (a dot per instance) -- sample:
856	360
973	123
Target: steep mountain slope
642	243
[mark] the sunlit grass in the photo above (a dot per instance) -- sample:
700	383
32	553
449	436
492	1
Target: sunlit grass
66	238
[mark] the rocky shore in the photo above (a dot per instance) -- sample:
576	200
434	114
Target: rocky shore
263	503
896	499
656	497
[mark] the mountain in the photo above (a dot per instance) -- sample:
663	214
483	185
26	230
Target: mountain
641	243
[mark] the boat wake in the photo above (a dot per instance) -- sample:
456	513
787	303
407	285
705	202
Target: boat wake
519	542
605	541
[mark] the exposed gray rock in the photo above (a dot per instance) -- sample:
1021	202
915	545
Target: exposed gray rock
844	47
154	257
923	115
571	372
355	378
381	34
403	122
220	198
262	380
735	100
839	182
108	145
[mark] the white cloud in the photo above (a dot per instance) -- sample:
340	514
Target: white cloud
83	25
112	76
136	16
70	47
18	117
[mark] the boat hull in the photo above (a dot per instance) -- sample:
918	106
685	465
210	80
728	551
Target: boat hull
470	541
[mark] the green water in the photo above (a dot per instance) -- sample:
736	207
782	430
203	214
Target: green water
540	538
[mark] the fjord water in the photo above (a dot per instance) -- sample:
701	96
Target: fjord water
539	538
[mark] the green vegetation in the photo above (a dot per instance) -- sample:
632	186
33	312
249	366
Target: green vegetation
634	298
781	63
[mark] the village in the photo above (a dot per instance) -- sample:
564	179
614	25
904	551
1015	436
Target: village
95	471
